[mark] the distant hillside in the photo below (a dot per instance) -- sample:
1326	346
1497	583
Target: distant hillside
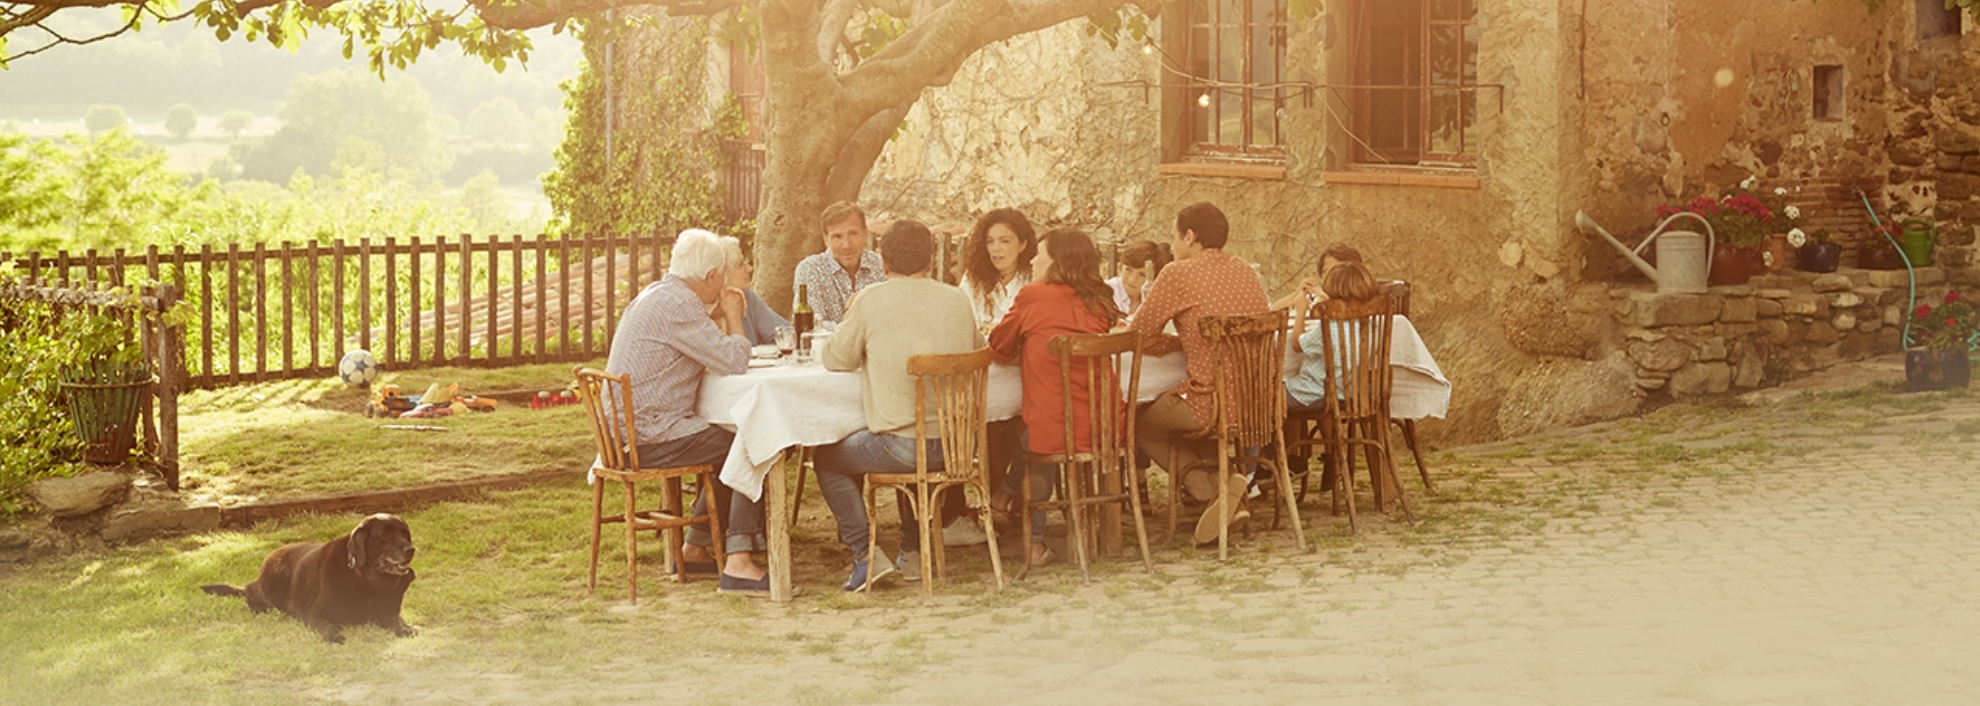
148	71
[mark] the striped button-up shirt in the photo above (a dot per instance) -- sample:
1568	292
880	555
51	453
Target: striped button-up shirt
827	286
665	341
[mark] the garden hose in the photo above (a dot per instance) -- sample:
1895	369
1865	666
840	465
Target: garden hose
1908	271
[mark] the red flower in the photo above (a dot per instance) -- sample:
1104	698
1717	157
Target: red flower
1952	296
1950	322
1923	311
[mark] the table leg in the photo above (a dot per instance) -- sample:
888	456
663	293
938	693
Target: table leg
779	532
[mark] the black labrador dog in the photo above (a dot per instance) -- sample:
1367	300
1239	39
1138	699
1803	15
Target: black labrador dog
355	579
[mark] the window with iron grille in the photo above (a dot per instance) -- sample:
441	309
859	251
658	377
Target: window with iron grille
1234	54
1415	100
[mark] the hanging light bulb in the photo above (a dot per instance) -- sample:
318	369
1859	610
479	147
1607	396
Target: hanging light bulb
1203	101
1147	47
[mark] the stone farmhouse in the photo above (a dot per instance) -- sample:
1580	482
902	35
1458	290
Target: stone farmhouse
1453	141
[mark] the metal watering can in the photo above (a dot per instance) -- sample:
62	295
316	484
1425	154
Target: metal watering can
1916	240
1682	259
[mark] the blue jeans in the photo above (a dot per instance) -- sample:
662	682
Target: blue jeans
1044	479
839	468
743	522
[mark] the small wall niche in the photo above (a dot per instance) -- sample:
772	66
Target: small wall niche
1935	19
1828	85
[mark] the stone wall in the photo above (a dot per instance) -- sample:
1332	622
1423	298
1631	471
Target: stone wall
1759	334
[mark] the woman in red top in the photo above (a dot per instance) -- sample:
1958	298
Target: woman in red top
1066	295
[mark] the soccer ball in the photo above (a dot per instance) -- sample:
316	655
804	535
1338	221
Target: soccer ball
358	368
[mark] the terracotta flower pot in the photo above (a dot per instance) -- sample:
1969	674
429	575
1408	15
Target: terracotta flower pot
1935	370
1820	257
1732	265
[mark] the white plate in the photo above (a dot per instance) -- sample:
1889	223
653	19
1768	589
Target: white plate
767	350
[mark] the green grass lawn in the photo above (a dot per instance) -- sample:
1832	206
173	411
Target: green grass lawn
306	438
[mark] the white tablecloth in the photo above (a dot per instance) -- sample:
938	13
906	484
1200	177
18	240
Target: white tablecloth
773	409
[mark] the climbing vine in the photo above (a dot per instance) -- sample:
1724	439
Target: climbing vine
665	144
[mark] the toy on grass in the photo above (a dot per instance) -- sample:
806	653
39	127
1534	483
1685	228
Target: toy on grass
358	369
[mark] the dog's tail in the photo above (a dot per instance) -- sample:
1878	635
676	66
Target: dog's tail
221	589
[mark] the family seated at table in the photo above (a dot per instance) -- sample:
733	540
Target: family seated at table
1021	291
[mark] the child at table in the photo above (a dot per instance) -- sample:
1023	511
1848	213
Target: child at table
1347	281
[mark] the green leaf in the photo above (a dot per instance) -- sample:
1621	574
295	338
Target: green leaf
292	30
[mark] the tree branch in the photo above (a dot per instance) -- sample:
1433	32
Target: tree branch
937	45
857	156
60	39
832	27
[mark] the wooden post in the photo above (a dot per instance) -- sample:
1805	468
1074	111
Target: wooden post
542	314
412	294
315	293
233	314
515	299
288	308
391	303
439	299
564	296
171	379
364	294
260	312
336	302
206	303
587	297
467	291
611	297
494	274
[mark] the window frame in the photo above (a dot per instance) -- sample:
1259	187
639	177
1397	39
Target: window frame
1420	86
1250	93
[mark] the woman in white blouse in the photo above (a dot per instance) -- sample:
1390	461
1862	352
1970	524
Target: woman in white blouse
996	262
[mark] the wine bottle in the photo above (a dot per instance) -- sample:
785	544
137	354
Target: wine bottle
801	317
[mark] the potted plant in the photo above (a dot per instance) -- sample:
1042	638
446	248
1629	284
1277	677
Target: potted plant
106	384
1778	246
1941	337
1878	250
1817	250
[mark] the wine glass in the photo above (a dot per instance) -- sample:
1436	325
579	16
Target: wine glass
786	341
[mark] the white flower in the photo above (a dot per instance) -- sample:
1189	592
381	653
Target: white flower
1749	182
1780	191
1767	258
1796	237
1793	212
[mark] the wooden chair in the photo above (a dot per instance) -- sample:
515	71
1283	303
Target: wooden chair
1251	411
1103	474
618	460
1302	426
1399	290
1355	338
955	383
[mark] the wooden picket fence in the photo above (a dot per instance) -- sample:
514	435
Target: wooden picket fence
269	312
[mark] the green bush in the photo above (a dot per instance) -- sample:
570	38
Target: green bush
37	438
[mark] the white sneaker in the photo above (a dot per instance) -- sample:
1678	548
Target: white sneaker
963	533
910	566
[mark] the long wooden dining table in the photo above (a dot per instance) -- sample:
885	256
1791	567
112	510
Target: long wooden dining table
774	409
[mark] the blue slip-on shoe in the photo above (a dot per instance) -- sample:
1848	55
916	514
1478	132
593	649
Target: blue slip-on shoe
733	586
859	581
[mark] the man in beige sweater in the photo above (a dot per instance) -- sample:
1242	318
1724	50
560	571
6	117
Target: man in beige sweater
886	323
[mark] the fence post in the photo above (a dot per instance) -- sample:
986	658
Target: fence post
171	376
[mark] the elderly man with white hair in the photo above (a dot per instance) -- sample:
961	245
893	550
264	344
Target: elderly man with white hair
666	340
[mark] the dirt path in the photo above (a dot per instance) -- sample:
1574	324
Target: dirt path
1814	552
